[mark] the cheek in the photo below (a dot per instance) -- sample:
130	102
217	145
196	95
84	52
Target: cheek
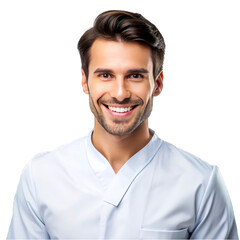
96	90
144	92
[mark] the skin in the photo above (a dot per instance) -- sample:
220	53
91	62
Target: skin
120	75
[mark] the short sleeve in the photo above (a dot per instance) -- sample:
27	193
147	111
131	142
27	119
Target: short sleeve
26	222
215	217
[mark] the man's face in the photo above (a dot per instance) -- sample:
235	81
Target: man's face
120	85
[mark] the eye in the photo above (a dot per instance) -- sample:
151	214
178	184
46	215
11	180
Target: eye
105	75
136	76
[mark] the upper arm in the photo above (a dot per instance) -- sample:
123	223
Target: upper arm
26	221
215	217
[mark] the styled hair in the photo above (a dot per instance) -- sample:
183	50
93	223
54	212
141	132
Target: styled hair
123	26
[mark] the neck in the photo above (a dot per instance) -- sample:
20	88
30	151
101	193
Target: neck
118	149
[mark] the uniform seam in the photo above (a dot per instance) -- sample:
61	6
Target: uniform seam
35	192
205	192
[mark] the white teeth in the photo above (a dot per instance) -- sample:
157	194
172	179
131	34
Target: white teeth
120	110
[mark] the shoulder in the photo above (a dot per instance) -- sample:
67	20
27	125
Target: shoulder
182	161
183	173
62	158
197	187
68	149
189	176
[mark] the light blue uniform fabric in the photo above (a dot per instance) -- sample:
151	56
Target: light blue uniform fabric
162	192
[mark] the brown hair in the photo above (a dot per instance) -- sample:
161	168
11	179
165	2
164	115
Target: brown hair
123	26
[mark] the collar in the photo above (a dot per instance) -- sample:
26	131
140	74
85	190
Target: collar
116	185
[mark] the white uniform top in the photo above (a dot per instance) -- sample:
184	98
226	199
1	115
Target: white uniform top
161	192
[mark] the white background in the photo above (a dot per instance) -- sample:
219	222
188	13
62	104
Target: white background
42	105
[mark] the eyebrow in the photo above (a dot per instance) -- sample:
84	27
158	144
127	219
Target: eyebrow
135	70
103	70
138	70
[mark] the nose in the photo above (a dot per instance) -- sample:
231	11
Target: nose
120	89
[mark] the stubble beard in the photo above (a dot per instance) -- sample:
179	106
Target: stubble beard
119	126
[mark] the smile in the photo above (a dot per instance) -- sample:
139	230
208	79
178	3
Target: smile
120	109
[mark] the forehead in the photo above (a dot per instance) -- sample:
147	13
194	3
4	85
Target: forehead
119	55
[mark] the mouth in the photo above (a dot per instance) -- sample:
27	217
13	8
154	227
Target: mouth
125	109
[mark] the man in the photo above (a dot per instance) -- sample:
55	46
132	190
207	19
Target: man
121	181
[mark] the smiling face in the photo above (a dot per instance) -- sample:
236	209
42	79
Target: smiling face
120	85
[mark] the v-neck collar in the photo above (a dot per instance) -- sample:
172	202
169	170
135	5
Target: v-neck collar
116	185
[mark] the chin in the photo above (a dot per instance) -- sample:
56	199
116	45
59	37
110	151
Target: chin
120	130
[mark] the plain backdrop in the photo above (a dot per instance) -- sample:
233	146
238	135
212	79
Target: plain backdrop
42	105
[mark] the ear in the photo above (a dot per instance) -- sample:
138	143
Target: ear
84	82
158	84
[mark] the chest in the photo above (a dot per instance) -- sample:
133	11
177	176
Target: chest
149	207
